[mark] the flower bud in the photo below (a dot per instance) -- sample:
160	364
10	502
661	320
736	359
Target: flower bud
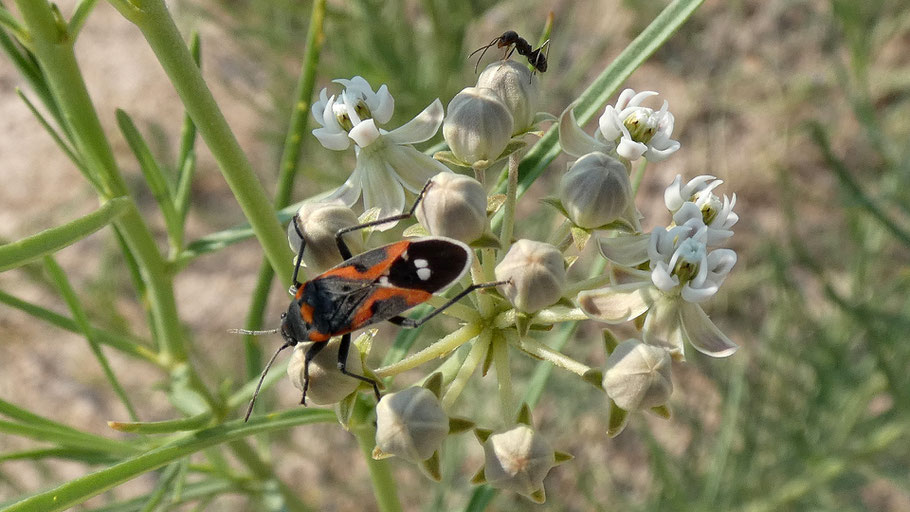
410	424
537	274
327	384
518	89
518	460
596	191
638	376
478	125
455	206
319	222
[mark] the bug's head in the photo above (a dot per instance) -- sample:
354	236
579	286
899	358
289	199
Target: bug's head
294	329
508	38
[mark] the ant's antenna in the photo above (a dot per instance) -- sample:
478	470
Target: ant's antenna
249	409
484	48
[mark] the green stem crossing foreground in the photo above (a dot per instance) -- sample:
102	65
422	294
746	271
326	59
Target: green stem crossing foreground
78	490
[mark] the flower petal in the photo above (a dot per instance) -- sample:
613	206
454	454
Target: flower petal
702	334
573	139
380	187
629	149
413	168
349	192
655	154
421	128
364	133
617	304
332	139
626	250
609	125
384	106
699	294
662	327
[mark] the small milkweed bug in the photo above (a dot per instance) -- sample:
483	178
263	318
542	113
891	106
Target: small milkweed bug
365	289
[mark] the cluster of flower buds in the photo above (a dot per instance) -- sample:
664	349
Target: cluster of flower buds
656	280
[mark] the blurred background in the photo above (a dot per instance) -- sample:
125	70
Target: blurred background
801	106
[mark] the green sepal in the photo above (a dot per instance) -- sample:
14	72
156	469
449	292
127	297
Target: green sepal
524	415
378	454
459	425
482	434
515	144
479	478
486	241
580	236
434	384
538	496
618	419
663	411
344	409
494	203
610	341
543	117
595	378
562	457
555	203
487	360
522	323
447	157
570	260
415	230
431	467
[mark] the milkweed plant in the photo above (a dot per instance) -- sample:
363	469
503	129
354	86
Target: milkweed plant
652	283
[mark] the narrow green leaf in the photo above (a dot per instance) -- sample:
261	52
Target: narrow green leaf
131	346
191	492
66	437
81	13
10	22
20	252
58	276
77	491
164	483
163	427
157	181
74	454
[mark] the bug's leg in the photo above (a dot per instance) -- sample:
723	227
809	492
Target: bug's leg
343	247
410	323
310	354
343	362
299	261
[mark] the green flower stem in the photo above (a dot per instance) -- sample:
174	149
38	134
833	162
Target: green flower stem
128	345
58	276
587	284
442	347
544	352
287	170
78	490
475	357
459	311
54	51
64	438
500	350
508	221
560	237
163	427
384	488
154	21
265	472
23	251
638	175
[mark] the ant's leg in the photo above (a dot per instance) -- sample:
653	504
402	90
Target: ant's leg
411	323
299	261
343	361
310	354
343	247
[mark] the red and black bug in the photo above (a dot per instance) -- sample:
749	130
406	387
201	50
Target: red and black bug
371	287
512	42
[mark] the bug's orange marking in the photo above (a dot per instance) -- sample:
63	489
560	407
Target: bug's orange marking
392	252
306	312
318	336
365	311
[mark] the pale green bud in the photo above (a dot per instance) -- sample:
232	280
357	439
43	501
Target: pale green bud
638	376
536	272
319	222
596	191
518	460
327	384
518	89
478	125
455	206
410	424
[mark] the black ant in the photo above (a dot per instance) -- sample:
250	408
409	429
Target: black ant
514	42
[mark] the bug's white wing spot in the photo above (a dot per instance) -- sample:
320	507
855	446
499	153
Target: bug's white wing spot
423	273
421	263
384	281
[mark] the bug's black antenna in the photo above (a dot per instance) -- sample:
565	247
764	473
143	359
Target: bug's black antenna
249	409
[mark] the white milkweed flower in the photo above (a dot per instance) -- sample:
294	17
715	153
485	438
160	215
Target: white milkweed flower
478	125
410	424
640	131
518	460
454	206
682	273
596	191
518	89
638	376
327	384
318	223
536	275
386	162
697	199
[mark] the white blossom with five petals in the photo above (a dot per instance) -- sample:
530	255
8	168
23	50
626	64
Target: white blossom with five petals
387	164
638	131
